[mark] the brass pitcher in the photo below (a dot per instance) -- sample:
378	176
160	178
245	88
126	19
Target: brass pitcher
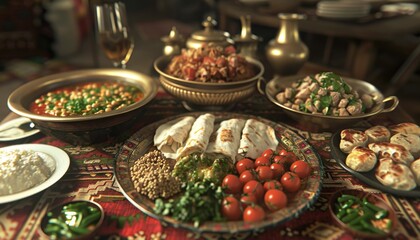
287	53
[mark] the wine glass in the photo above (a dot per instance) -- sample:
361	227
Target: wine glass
114	35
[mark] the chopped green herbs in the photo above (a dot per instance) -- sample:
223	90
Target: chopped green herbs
200	202
86	99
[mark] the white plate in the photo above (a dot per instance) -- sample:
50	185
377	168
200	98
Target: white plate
15	134
62	163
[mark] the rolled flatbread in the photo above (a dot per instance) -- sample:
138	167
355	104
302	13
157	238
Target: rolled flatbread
256	137
199	136
169	137
225	140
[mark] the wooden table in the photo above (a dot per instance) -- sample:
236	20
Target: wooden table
361	50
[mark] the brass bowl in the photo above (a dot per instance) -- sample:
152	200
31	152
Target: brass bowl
89	129
207	95
323	122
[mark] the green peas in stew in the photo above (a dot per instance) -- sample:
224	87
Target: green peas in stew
86	99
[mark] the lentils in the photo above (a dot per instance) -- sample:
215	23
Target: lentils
86	99
152	176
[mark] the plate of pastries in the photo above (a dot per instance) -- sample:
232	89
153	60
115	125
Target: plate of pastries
384	157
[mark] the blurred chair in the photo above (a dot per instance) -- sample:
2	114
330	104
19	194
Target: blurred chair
404	73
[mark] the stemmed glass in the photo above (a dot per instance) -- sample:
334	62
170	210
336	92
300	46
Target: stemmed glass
114	35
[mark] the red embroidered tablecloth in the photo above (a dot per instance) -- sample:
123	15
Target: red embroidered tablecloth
91	176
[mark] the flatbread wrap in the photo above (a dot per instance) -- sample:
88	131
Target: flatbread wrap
199	136
225	140
256	137
171	136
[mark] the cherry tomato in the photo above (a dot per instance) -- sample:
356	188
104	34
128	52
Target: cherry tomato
290	182
232	184
231	208
301	168
272	184
262	161
282	152
248	199
286	159
254	187
275	199
244	164
253	213
268	153
264	173
278	169
247	176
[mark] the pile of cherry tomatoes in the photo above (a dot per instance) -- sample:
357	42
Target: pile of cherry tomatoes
262	185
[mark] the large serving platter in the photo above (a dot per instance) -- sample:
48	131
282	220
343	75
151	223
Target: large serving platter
142	142
368	177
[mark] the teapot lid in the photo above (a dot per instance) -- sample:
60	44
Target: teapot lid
209	34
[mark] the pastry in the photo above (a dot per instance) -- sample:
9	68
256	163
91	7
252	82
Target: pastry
351	138
396	152
410	141
405	128
361	159
415	168
395	175
378	134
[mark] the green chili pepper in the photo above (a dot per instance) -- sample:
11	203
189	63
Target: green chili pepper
346	197
348	204
350	217
92	218
370	227
381	214
79	230
372	206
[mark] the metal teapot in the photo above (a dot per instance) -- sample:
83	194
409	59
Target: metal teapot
209	35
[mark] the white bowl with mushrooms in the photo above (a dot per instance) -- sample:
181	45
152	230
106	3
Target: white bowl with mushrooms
327	101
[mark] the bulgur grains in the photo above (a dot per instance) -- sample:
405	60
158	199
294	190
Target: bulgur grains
152	176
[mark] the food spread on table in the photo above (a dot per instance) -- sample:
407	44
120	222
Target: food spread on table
17	164
392	153
86	98
203	169
210	64
325	93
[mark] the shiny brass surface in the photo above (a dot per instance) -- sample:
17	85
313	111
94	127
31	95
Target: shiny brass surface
209	35
89	129
382	104
208	94
287	53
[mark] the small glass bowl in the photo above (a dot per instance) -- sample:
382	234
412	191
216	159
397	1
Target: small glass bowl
55	211
371	198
